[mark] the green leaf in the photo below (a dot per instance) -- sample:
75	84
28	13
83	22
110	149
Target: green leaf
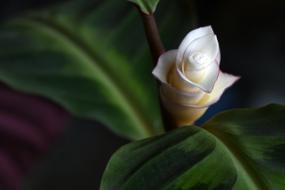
147	6
92	58
241	149
84	58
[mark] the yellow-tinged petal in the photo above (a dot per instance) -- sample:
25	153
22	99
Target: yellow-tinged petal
183	115
224	81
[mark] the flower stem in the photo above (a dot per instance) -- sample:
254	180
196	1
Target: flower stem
157	48
152	35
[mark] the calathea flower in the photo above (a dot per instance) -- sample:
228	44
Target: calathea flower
190	77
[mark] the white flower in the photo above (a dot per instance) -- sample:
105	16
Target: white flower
190	76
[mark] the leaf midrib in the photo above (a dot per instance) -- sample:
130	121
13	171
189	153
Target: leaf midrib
147	6
54	30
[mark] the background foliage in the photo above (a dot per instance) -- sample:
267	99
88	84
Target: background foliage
94	64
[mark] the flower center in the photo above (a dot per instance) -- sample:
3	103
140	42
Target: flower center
199	60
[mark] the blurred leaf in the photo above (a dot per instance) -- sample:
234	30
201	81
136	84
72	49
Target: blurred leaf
147	6
92	58
239	149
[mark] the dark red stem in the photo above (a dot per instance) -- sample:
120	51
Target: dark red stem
157	49
152	35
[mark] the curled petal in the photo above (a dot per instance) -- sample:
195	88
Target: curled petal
178	80
192	36
206	78
172	97
181	97
200	45
184	106
165	63
165	72
207	45
183	115
224	81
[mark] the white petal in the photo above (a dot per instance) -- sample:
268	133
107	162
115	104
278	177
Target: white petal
165	62
224	81
191	36
210	75
207	45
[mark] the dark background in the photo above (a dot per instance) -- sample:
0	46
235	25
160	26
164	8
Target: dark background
252	41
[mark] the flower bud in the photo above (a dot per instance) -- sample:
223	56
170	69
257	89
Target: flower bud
190	77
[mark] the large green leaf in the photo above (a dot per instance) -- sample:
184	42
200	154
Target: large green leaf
147	6
242	149
92	58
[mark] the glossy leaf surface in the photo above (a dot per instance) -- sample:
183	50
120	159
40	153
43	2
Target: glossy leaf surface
241	150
